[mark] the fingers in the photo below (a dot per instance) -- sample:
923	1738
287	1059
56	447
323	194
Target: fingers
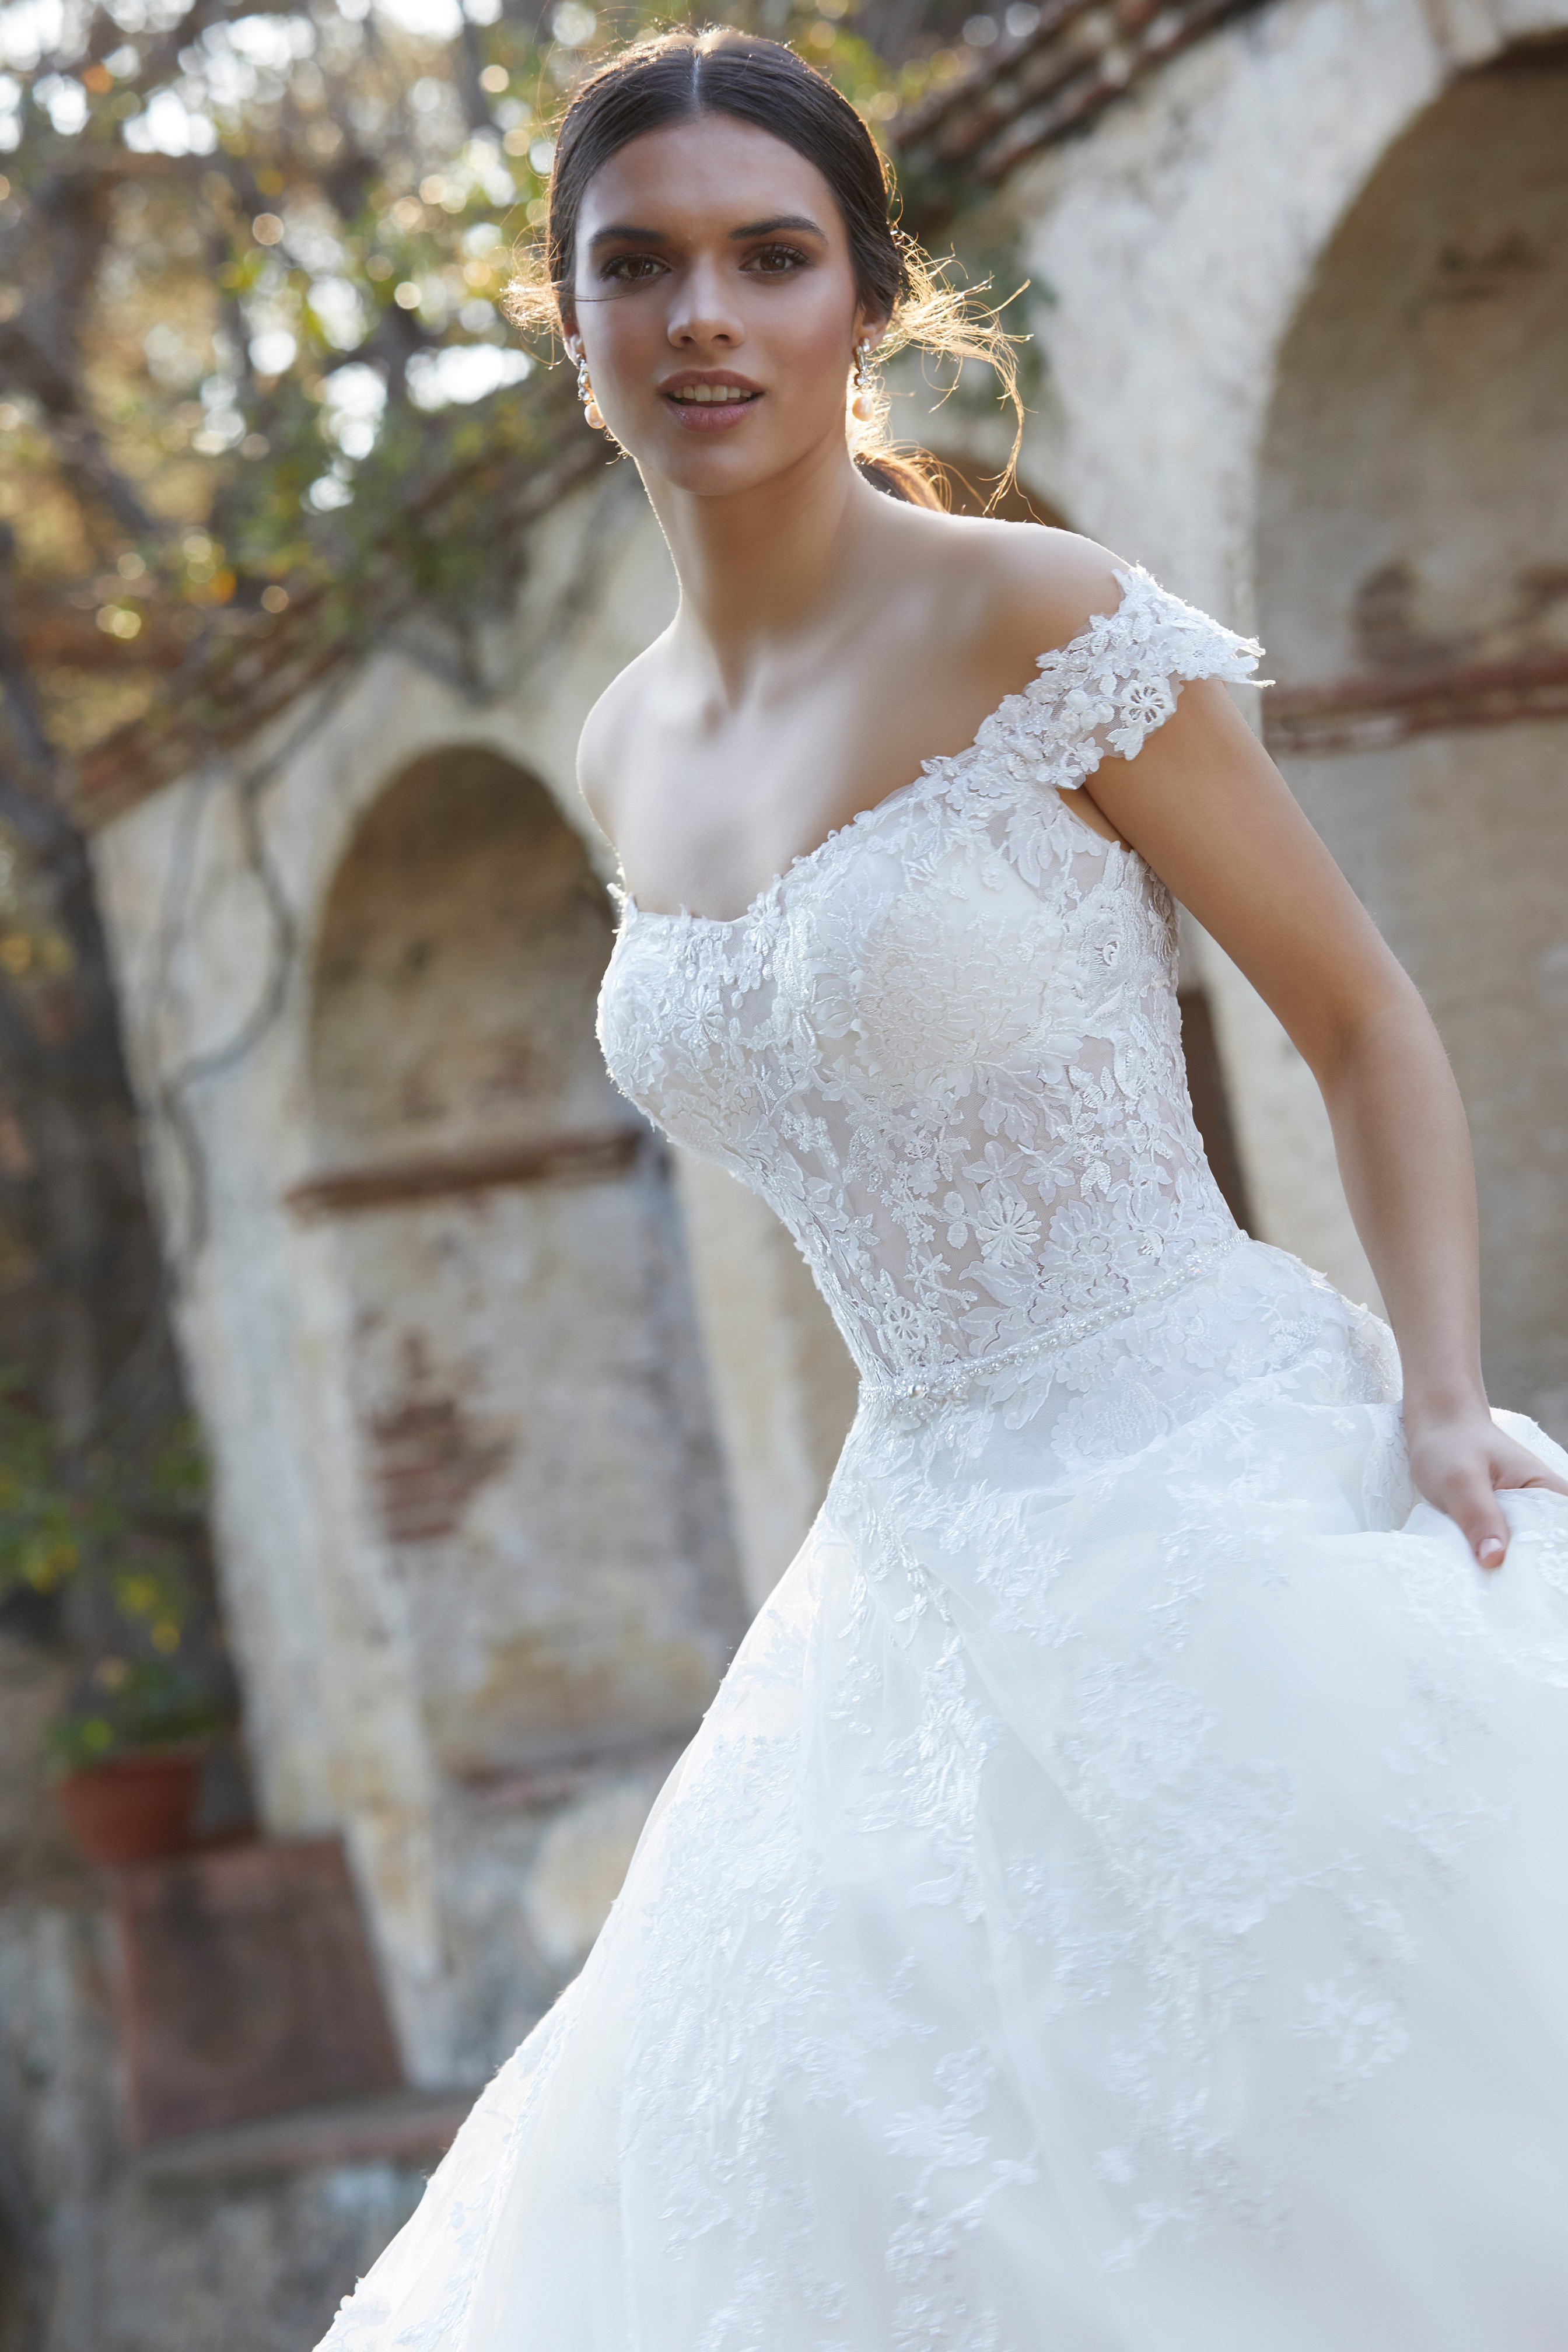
1463	1476
1515	1466
1472	1503
1477	1510
1538	1477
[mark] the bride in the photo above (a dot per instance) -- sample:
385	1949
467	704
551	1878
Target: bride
1117	1900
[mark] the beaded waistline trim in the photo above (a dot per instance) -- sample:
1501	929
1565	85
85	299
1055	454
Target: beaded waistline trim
947	1381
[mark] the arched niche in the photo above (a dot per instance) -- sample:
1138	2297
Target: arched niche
1413	591
534	1450
459	963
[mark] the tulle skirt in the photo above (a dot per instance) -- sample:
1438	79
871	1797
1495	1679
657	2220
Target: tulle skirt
1117	1901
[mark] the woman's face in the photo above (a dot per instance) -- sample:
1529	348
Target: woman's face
716	304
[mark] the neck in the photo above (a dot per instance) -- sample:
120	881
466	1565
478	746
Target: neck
768	564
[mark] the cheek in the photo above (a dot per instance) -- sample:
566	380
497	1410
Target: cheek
808	341
614	333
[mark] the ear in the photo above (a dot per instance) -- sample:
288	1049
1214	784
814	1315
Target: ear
869	329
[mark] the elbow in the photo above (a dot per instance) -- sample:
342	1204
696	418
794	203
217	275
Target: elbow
1369	1031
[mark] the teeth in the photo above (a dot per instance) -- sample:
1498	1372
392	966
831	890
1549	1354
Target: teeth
710	394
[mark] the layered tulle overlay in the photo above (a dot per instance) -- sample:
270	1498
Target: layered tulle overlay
1117	1900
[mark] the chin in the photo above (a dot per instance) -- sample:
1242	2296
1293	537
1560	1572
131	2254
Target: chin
720	465
704	474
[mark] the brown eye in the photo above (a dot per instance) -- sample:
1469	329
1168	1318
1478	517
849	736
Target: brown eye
632	268
777	260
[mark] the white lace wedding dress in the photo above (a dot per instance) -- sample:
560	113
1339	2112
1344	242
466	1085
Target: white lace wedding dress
1117	1900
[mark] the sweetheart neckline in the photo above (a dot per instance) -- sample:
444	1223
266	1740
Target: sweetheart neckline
802	857
939	765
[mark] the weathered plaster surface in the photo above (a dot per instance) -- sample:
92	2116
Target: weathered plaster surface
1413	494
58	2121
1415	517
116	2262
547	1498
470	1510
366	1688
1459	845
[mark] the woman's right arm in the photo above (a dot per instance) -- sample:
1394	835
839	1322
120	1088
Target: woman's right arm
1206	806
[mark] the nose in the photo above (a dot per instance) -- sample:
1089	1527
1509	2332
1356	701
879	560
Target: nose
703	315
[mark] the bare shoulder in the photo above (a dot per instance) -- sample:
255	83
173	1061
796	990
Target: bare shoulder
1043	587
1011	590
609	731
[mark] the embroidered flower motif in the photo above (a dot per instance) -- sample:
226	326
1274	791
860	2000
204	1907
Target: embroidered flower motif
1007	1229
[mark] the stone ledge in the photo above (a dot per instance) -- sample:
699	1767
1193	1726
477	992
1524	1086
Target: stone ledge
540	1783
399	2129
435	1176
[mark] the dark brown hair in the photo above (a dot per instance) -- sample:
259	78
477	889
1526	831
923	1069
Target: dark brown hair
677	76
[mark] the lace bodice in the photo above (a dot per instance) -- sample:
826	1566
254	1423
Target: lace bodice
944	1045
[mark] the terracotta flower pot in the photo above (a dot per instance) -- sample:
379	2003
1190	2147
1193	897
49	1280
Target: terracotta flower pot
132	1808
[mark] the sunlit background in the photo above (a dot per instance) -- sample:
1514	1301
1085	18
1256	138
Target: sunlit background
253	263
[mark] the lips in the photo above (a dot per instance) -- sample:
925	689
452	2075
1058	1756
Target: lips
707	400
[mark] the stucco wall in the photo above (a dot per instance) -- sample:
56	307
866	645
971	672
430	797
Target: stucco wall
248	2257
1412	491
1415	525
524	1372
477	1514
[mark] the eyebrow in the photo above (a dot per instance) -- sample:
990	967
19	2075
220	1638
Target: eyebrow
777	221
627	231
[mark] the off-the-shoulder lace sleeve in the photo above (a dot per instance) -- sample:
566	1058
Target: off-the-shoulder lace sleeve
1108	688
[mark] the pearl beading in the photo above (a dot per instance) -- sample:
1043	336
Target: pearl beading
943	1383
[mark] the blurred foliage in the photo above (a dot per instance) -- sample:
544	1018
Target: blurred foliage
254	389
249	263
35	951
117	1542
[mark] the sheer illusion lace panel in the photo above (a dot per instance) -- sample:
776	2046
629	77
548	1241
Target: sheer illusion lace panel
943	1044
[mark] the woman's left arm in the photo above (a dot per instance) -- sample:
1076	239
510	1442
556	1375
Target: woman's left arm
1205	805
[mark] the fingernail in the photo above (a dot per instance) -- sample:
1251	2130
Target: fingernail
1490	1551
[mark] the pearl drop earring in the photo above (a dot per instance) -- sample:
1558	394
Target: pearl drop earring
861	405
591	408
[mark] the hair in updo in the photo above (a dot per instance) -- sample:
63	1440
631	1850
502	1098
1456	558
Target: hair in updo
677	76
